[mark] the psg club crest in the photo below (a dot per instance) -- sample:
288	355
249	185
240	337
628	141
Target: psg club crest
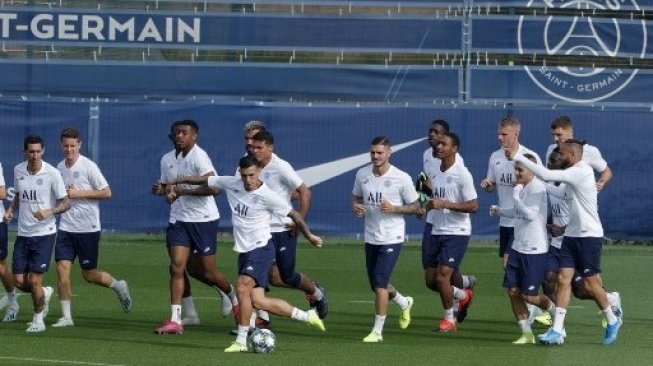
582	35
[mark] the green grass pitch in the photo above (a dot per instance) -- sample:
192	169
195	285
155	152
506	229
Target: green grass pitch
103	335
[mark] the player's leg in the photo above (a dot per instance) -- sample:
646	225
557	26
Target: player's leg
178	243
506	237
64	255
8	300
41	248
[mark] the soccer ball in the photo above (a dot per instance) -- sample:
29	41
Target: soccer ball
263	340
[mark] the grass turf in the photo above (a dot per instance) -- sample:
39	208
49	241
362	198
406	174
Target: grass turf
104	335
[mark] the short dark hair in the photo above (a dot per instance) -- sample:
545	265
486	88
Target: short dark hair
442	123
265	136
188	122
454	138
380	140
32	139
70	133
530	157
248	161
563	122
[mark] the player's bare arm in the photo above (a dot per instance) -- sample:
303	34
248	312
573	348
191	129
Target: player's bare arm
409	209
357	206
92	194
301	225
62	206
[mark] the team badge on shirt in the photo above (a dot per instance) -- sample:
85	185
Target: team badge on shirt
387	184
39	182
76	175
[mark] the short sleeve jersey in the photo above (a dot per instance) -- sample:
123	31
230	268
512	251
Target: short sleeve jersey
395	186
282	179
453	185
431	164
502	172
37	192
84	214
195	208
250	211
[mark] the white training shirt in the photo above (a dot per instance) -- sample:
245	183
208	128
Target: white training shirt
84	214
529	216
431	163
453	185
395	186
250	211
2	184
168	173
502	172
194	208
282	179
591	155
37	192
559	209
584	218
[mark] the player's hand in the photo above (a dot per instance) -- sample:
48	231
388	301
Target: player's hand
421	214
599	185
556	230
494	210
171	197
488	185
42	214
315	240
359	209
7	217
158	188
386	206
436	204
73	192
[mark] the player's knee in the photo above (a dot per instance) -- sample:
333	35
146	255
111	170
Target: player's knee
514	293
432	283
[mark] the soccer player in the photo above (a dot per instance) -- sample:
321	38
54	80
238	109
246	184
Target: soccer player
251	128
40	194
562	130
195	225
559	220
431	165
453	199
583	239
194	266
9	299
252	204
279	175
500	178
79	227
382	194
528	257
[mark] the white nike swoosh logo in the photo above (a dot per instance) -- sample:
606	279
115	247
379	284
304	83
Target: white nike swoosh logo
317	174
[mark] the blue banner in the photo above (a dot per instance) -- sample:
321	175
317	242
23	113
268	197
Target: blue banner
562	36
580	5
232	81
550	84
406	33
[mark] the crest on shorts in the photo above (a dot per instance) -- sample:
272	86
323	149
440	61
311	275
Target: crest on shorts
583	36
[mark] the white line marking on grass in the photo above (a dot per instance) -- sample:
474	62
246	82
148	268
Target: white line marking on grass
68	362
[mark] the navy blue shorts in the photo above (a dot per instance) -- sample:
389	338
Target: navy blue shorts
553	260
32	254
426	235
285	255
200	237
4	240
446	250
83	245
582	254
256	264
525	271
506	237
380	261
